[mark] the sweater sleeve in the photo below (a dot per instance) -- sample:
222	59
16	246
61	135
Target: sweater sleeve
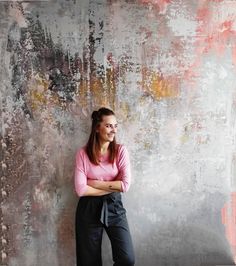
124	168
80	175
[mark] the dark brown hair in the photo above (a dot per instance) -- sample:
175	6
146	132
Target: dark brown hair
93	146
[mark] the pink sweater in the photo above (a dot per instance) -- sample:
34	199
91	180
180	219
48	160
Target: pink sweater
105	171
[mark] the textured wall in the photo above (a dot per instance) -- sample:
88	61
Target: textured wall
167	68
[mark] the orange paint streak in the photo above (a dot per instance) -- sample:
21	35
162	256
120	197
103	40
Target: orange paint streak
97	89
101	89
157	86
228	215
82	93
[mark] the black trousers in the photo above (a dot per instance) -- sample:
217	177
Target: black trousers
93	216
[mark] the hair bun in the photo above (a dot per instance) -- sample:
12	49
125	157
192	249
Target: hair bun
95	115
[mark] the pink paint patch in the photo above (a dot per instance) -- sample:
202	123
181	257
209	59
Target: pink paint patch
203	13
214	35
228	215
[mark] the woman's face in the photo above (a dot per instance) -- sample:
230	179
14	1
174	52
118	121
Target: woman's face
107	128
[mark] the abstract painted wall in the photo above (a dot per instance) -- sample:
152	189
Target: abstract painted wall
167	68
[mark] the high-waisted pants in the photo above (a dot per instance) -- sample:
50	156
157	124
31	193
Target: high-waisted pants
93	215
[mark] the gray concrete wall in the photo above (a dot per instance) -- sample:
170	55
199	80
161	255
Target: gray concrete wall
167	68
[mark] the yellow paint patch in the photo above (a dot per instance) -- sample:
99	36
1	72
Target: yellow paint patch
100	90
38	95
159	86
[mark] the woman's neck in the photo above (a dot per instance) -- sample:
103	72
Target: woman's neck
104	147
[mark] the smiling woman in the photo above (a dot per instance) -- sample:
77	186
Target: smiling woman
102	172
107	129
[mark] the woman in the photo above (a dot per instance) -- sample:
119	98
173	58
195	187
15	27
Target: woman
102	172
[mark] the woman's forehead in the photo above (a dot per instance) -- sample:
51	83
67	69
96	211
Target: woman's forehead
109	119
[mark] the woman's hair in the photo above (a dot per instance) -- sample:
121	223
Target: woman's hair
93	146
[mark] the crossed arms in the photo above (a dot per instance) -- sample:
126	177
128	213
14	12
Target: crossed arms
99	188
